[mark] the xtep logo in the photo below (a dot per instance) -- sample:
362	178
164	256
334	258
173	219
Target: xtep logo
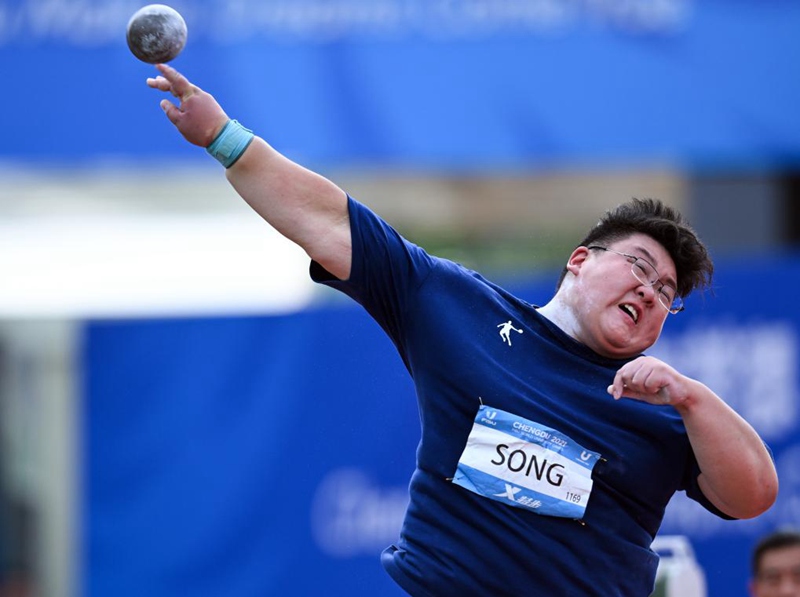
510	492
505	331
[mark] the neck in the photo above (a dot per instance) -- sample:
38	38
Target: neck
561	314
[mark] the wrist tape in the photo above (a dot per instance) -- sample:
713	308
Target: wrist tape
230	143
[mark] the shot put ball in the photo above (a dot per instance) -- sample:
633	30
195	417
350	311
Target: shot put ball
156	33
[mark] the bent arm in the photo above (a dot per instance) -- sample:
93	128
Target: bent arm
737	472
305	207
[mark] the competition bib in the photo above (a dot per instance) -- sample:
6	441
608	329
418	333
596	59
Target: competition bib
526	465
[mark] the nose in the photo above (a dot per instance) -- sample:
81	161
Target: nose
647	293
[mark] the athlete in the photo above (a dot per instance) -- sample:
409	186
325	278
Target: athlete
544	468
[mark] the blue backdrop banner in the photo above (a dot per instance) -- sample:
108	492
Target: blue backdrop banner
437	84
270	455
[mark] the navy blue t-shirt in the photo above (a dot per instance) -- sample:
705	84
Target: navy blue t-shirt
445	321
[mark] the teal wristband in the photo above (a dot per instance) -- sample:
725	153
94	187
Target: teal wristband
230	143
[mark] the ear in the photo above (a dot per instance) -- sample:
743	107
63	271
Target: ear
577	259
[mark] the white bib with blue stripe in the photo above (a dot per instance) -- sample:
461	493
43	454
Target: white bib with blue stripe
526	465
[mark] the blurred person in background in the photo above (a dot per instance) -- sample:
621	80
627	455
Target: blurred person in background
775	565
533	475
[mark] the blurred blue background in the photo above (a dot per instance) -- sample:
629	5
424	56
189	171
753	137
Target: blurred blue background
260	442
477	84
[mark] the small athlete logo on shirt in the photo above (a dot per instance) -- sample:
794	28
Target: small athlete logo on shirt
505	331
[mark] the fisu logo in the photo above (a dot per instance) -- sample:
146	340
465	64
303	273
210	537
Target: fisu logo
489	418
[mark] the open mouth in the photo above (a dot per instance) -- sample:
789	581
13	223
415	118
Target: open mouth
631	311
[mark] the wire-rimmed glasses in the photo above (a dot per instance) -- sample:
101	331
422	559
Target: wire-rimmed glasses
646	273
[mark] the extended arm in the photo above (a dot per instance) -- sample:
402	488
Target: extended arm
738	475
302	205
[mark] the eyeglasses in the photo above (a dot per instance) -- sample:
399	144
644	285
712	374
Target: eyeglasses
646	273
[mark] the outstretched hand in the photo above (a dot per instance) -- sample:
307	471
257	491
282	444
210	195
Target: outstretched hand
198	116
650	380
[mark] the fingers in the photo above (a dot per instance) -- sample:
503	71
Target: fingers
196	114
645	378
628	380
631	380
159	83
622	380
179	85
617	387
171	110
173	82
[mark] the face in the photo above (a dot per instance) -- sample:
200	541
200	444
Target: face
779	573
615	314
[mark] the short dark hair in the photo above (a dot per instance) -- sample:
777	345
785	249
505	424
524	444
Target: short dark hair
664	224
776	540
